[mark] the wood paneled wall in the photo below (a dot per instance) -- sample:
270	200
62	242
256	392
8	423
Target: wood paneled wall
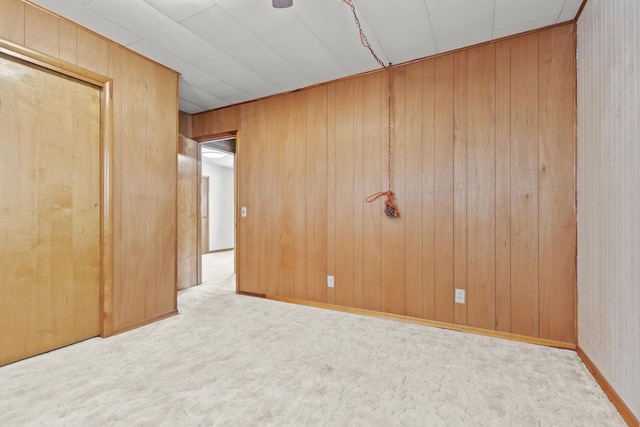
609	195
145	151
484	176
188	213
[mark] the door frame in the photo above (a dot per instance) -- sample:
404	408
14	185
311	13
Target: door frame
208	138
105	85
204	207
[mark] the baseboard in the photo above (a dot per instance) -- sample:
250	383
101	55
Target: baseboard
144	322
433	323
614	397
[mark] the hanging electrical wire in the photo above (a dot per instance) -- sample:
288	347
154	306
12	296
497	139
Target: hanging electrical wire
390	209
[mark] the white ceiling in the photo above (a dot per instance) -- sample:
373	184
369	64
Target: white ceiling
230	51
227	161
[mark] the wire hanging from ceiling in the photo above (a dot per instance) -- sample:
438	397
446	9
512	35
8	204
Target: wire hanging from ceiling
390	208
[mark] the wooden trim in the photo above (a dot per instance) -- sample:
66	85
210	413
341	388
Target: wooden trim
617	401
50	63
254	294
584	3
145	322
236	214
106	244
433	323
199	213
221	135
105	84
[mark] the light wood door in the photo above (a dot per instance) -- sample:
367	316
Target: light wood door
50	193
204	210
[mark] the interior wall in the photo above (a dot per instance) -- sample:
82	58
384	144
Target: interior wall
144	143
221	206
608	193
483	171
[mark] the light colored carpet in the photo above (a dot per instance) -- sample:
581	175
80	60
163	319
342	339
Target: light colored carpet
230	360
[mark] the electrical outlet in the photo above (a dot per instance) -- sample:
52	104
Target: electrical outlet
243	211
330	282
460	296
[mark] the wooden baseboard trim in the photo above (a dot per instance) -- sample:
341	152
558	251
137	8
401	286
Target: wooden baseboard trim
251	294
614	397
145	322
433	323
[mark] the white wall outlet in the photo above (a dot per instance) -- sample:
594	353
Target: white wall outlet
243	211
460	296
330	282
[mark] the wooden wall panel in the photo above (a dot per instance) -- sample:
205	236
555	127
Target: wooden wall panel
69	44
145	108
393	231
444	185
413	191
300	194
557	187
460	181
481	141
428	190
41	31
12	21
481	187
166	192
524	185
358	193
331	188
133	192
248	161
285	250
344	194
320	169
374	131
187	213
503	186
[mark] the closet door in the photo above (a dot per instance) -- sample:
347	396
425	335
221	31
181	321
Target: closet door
49	210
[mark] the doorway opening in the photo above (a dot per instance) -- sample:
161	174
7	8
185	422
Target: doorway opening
217	213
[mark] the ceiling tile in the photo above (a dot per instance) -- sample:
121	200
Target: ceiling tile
180	10
236	74
402	29
471	22
76	12
285	77
227	34
198	96
189	107
189	72
515	16
301	48
259	17
226	92
154	26
570	10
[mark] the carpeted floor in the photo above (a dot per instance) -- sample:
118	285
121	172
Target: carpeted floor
230	360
